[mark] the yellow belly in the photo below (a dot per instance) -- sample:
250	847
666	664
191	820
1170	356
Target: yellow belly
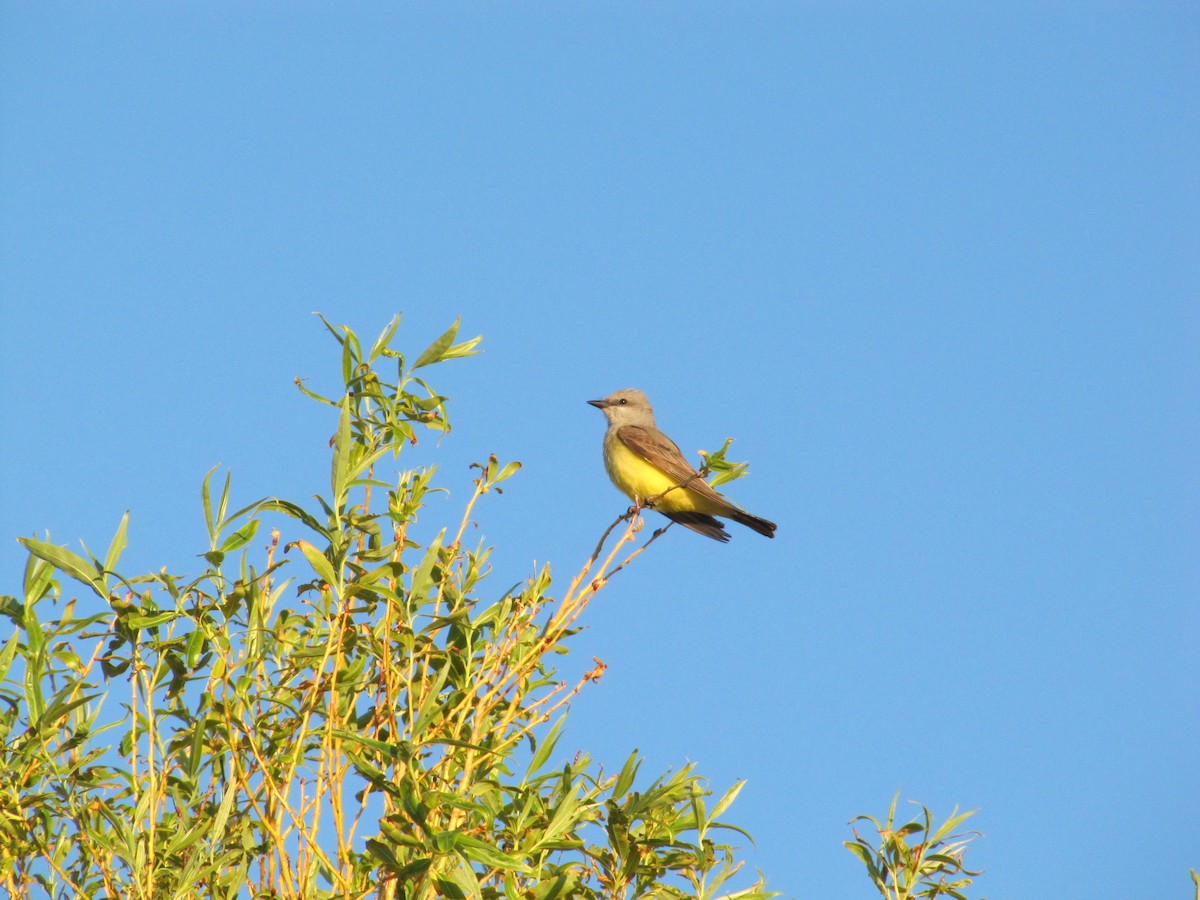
638	480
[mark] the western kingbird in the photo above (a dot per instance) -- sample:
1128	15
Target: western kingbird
647	467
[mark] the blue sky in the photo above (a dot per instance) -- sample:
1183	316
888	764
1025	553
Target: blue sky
935	267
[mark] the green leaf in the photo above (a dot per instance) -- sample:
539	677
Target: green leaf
438	348
383	853
385	338
149	621
751	894
320	564
332	330
723	470
444	348
547	747
365	463
566	815
466	348
866	855
33	628
69	563
952	822
241	537
342	445
422	579
487	854
34	663
628	773
206	502
911	828
349	357
431	708
223	505
313	395
730	795
118	545
8	653
296	512
39	578
59	707
393	751
562	884
466	880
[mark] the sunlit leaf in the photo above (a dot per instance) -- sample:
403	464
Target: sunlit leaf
117	547
69	563
435	351
240	538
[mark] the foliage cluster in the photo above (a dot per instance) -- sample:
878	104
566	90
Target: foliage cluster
344	715
917	859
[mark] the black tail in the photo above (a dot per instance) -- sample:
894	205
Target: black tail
762	526
700	523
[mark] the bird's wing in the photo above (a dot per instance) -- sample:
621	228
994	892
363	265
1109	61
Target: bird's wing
659	450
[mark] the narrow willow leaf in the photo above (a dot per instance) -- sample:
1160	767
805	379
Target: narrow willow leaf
296	512
67	562
241	537
332	330
566	815
206	500
422	579
365	463
320	564
196	750
7	654
341	456
223	505
384	854
313	395
151	619
35	637
561	884
955	819
33	686
507	472
431	707
118	545
466	348
728	798
349	360
628	773
728	827
864	853
385	338
39	577
436	351
393	751
547	747
465	879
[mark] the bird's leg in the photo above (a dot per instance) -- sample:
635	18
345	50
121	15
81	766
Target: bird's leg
640	503
652	502
635	511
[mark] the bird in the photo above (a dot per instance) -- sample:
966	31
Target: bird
649	468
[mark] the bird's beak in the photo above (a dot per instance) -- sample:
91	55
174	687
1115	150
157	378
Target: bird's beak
599	404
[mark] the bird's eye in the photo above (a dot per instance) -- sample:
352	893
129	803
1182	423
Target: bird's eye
623	401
